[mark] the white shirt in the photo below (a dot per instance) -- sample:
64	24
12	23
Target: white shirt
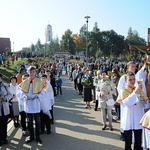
74	74
13	89
31	106
132	112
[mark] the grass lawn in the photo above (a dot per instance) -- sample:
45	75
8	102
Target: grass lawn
10	70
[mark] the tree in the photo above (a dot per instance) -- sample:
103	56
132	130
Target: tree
134	39
95	28
112	43
52	47
83	32
95	40
32	47
79	43
67	42
38	46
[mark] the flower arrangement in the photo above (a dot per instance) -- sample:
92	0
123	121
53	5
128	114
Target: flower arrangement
85	81
96	80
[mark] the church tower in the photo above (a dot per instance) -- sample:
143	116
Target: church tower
48	33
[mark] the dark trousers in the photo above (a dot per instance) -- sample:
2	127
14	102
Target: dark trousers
137	139
75	83
117	109
96	104
23	120
45	122
3	127
80	88
59	90
94	92
51	112
54	90
36	117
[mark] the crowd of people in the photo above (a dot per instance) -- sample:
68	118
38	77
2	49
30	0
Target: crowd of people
126	93
30	96
110	85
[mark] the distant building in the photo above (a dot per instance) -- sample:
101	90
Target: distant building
48	33
5	43
61	55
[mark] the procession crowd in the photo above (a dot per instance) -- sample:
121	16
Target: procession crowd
126	93
31	96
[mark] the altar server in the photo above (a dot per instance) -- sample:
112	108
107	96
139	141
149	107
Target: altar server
132	101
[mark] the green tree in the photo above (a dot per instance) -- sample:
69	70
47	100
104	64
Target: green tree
32	48
38	46
95	40
95	28
133	38
67	42
111	44
52	47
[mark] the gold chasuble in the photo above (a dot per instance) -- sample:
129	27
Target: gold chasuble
145	121
37	85
126	91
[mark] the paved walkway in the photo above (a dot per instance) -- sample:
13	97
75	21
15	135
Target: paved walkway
75	128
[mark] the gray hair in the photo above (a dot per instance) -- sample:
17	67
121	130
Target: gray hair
98	72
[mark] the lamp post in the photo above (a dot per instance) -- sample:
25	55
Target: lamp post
87	17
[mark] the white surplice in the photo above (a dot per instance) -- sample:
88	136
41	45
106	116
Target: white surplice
132	112
48	100
146	138
31	106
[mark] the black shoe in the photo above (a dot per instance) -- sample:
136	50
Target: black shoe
5	142
16	125
48	132
1	144
42	132
104	127
52	122
122	138
95	109
38	140
30	140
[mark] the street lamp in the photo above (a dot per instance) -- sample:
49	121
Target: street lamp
87	17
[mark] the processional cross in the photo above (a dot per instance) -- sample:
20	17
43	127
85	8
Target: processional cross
145	49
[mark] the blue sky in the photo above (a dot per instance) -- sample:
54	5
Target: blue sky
24	21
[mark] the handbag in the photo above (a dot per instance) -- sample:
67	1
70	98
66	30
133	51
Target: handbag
110	102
